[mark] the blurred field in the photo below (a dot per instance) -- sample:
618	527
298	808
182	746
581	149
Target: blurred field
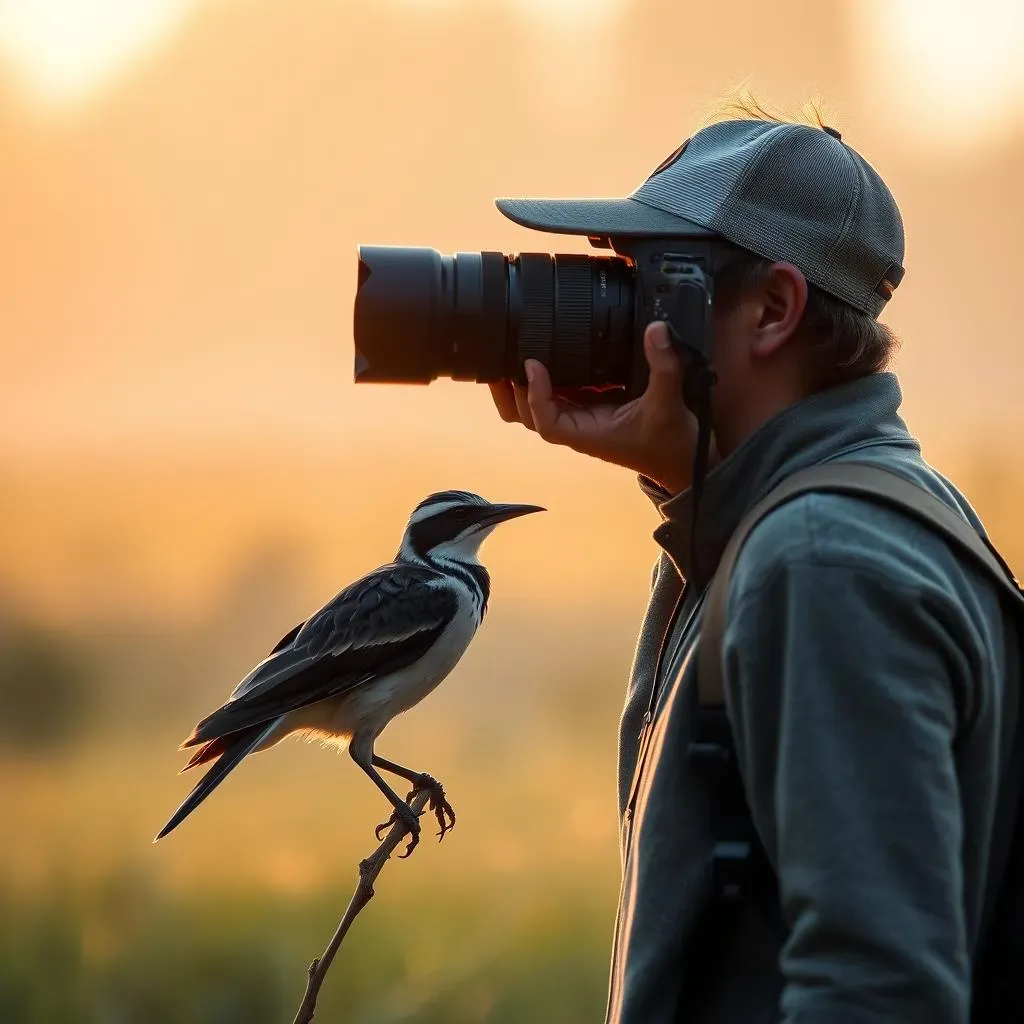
510	919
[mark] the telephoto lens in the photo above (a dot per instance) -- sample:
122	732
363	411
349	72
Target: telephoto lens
477	316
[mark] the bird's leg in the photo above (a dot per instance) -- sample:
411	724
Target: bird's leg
404	814
421	781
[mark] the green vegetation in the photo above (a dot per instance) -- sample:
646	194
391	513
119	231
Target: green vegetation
509	920
124	952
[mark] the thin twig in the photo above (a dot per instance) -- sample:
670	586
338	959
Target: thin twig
369	869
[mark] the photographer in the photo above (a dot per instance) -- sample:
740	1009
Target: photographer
865	659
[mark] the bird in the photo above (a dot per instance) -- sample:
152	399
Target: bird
373	651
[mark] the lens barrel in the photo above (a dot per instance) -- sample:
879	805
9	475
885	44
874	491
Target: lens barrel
477	316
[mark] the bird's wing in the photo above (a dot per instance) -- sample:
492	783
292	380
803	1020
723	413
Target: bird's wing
379	624
286	640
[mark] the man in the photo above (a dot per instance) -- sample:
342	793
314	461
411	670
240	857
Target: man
864	657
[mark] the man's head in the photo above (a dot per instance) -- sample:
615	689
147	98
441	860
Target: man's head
779	338
816	250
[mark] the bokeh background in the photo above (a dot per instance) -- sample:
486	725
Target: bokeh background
186	468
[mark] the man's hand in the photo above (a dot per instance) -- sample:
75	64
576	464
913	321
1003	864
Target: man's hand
653	435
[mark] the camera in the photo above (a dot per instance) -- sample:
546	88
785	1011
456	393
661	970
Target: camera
477	316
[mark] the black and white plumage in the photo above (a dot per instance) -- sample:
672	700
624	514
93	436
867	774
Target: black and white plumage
373	651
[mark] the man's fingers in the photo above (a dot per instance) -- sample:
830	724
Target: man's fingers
523	407
513	405
666	370
505	400
545	410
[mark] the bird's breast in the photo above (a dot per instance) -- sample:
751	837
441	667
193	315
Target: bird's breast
390	695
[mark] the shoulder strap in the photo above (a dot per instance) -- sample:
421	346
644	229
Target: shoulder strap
877	484
859	479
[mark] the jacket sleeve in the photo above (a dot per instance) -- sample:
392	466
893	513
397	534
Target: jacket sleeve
843	687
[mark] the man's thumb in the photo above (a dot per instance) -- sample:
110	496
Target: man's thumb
666	368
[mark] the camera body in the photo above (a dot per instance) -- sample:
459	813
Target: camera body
478	316
673	281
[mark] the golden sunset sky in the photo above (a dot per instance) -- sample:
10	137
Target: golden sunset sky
184	184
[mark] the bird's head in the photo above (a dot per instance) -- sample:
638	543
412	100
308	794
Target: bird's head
451	525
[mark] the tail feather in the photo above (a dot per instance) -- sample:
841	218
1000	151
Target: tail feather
211	749
231	750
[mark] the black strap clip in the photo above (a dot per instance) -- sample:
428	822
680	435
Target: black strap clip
730	870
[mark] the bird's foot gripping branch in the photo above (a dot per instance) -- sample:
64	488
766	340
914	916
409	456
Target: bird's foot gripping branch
443	811
369	869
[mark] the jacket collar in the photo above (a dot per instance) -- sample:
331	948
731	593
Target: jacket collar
859	414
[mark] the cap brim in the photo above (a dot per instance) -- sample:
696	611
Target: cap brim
597	217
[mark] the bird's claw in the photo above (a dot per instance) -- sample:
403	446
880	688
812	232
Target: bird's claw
409	820
443	810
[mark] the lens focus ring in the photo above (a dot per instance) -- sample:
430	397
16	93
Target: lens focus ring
573	308
536	325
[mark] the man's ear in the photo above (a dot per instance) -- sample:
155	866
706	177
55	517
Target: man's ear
783	299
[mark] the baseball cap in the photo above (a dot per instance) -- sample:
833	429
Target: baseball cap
786	192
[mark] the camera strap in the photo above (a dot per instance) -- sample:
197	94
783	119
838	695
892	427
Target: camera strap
698	383
690	325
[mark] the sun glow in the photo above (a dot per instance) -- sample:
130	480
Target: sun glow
577	12
66	49
574	13
943	68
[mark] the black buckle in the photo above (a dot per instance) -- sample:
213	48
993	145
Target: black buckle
712	756
730	870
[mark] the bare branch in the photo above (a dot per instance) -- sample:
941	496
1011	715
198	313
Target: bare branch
369	869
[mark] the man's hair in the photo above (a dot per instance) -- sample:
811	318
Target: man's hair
841	343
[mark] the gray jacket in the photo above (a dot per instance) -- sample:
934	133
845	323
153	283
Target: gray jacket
864	672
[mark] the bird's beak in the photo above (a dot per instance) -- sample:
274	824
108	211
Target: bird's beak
500	513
